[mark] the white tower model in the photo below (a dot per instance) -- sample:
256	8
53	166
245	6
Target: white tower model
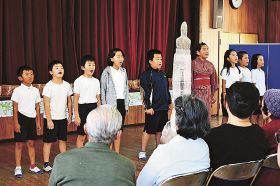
181	80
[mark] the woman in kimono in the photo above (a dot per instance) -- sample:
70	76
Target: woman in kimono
204	77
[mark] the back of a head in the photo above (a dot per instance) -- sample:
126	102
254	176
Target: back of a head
272	102
242	99
191	117
103	123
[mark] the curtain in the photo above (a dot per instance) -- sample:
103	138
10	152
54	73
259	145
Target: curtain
34	32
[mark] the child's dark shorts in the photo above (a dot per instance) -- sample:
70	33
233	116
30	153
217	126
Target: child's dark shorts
58	133
155	123
84	109
121	109
27	129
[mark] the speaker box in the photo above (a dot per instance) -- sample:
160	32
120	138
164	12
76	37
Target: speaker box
218	14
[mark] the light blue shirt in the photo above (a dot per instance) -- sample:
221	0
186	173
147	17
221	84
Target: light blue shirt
178	156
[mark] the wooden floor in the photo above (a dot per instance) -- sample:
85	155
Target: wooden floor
131	144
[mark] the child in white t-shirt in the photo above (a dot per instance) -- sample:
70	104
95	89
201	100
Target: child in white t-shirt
230	74
26	113
57	98
258	78
86	96
243	59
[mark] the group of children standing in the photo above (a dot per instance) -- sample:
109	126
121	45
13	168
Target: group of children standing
57	99
113	90
232	73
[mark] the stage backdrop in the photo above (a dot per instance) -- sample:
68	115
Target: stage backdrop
34	32
270	52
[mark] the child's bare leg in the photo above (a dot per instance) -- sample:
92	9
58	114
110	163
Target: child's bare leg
80	140
117	143
157	136
62	145
46	151
18	149
31	151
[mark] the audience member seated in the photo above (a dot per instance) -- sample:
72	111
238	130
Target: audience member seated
95	163
271	113
238	140
184	153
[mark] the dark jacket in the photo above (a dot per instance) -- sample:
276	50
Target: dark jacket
155	81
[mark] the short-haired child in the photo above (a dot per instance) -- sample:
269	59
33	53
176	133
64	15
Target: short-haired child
86	96
26	115
57	97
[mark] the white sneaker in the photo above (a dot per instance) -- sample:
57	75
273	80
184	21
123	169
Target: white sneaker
142	156
18	172
47	168
35	170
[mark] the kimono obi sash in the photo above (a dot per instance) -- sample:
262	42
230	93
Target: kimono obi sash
201	80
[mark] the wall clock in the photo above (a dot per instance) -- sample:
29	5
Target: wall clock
235	3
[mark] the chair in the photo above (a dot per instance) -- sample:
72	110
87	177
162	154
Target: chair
269	172
237	171
190	179
271	161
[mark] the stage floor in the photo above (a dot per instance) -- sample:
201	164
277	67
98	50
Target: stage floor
130	146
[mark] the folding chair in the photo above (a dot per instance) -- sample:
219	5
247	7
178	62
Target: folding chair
237	171
189	179
271	161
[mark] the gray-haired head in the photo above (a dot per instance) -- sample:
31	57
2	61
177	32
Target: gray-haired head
191	117
103	124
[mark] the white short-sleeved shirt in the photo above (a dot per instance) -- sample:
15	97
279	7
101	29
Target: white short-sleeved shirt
119	82
258	77
178	156
87	88
26	98
232	77
246	74
58	94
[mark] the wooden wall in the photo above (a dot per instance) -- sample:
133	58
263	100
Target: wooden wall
259	17
273	22
249	18
254	16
